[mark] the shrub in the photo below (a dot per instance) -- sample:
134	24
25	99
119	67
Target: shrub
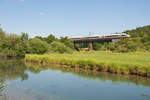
12	45
97	46
59	48
50	39
38	46
67	42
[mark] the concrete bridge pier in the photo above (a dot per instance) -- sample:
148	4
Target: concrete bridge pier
90	45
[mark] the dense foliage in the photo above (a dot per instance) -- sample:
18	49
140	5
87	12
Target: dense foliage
139	41
59	47
19	45
11	45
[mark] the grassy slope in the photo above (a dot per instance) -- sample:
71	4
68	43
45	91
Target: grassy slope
125	63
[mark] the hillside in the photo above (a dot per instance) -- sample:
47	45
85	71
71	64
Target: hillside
139	41
139	32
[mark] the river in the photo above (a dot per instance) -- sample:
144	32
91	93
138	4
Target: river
34	82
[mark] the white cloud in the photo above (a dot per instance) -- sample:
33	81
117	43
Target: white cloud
21	0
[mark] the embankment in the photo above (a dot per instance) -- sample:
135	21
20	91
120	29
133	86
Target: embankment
117	63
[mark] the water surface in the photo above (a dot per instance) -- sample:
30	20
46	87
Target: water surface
34	82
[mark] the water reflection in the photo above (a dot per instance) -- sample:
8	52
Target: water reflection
34	68
2	86
11	69
60	83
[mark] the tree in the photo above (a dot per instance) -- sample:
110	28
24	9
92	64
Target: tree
67	42
59	48
2	34
24	36
39	37
97	46
50	39
38	46
13	46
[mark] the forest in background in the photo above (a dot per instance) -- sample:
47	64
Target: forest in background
19	45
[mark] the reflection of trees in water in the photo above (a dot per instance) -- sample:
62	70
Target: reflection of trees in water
1	88
36	69
92	75
12	69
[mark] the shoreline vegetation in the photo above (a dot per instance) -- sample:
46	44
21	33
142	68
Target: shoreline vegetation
14	45
135	63
103	76
125	56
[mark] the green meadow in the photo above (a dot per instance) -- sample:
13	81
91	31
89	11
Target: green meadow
137	63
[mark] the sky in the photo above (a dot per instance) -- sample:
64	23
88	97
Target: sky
73	18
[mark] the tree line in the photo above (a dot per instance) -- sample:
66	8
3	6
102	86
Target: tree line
19	45
139	41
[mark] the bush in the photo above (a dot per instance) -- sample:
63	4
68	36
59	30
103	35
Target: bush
12	46
97	46
67	42
111	47
50	39
126	45
37	46
59	48
2	34
147	46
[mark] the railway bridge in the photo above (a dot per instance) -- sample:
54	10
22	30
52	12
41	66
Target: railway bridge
101	38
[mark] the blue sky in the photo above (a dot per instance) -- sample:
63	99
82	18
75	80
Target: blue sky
73	17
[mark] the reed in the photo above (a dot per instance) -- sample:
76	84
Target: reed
137	63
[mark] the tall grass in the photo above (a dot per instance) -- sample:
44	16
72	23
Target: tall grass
137	63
